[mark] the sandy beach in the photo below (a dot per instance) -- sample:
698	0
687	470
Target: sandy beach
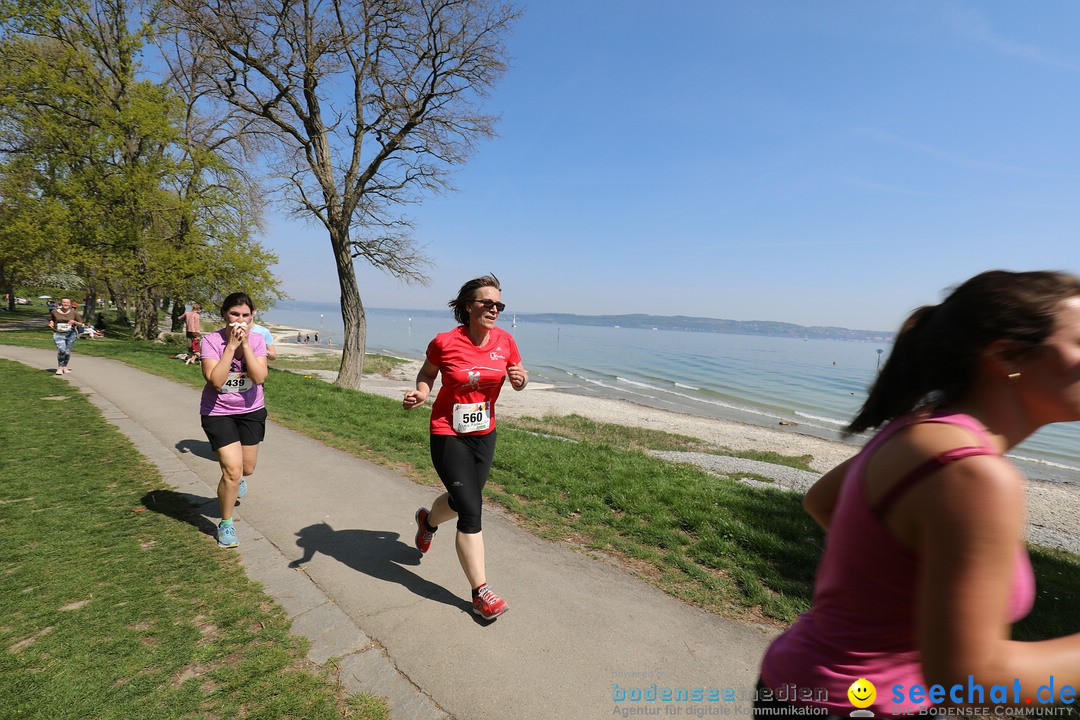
1054	508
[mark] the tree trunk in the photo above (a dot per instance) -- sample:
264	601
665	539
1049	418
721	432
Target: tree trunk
352	314
91	300
175	323
9	288
90	306
146	322
119	302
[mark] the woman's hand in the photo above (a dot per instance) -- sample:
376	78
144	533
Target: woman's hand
237	335
413	398
424	380
518	377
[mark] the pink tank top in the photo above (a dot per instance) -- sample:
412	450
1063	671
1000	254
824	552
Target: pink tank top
862	621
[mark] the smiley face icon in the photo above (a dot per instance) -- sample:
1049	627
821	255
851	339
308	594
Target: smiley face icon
862	693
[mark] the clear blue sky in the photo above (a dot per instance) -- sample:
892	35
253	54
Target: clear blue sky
822	163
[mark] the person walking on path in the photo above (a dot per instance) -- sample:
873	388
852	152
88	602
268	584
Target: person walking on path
475	359
925	566
65	322
233	408
193	326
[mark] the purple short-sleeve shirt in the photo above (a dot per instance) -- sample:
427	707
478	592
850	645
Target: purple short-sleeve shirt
231	403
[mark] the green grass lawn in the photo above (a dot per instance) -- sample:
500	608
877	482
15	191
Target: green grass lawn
112	606
373	364
742	552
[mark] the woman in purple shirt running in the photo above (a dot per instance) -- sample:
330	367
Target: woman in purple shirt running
233	409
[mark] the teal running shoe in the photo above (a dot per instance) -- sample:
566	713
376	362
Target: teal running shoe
243	488
226	536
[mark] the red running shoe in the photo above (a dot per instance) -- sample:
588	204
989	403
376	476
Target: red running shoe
487	604
423	535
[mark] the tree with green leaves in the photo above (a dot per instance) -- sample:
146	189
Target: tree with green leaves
368	106
80	108
154	208
33	228
220	203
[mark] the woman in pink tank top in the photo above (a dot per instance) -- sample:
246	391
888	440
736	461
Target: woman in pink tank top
925	565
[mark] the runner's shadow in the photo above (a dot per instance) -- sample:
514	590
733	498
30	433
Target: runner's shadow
377	553
184	507
199	448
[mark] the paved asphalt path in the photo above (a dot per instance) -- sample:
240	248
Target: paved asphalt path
330	537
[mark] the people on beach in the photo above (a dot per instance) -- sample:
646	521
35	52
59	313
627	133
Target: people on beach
925	566
268	338
193	326
233	408
65	322
475	358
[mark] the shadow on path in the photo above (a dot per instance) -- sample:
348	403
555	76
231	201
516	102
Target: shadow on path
183	507
198	448
377	553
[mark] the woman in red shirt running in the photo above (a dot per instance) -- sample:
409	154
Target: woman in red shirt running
474	359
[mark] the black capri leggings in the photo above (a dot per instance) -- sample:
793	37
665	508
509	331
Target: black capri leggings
463	463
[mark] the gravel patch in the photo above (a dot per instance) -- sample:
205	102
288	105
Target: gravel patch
783	477
1048	528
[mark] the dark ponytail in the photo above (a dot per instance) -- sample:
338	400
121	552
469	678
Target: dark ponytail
937	352
904	383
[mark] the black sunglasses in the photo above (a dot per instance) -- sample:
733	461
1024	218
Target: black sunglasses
488	304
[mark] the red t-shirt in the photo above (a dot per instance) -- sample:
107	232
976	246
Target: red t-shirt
472	376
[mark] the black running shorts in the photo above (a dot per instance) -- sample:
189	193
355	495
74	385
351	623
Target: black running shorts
245	428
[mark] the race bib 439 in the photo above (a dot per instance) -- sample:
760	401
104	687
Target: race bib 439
236	382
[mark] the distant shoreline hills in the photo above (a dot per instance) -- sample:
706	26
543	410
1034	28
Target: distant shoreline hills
712	325
647	322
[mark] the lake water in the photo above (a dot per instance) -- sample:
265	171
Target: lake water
819	384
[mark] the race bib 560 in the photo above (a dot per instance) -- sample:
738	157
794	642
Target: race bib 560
471	417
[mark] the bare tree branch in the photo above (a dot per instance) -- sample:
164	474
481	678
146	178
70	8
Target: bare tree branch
369	105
